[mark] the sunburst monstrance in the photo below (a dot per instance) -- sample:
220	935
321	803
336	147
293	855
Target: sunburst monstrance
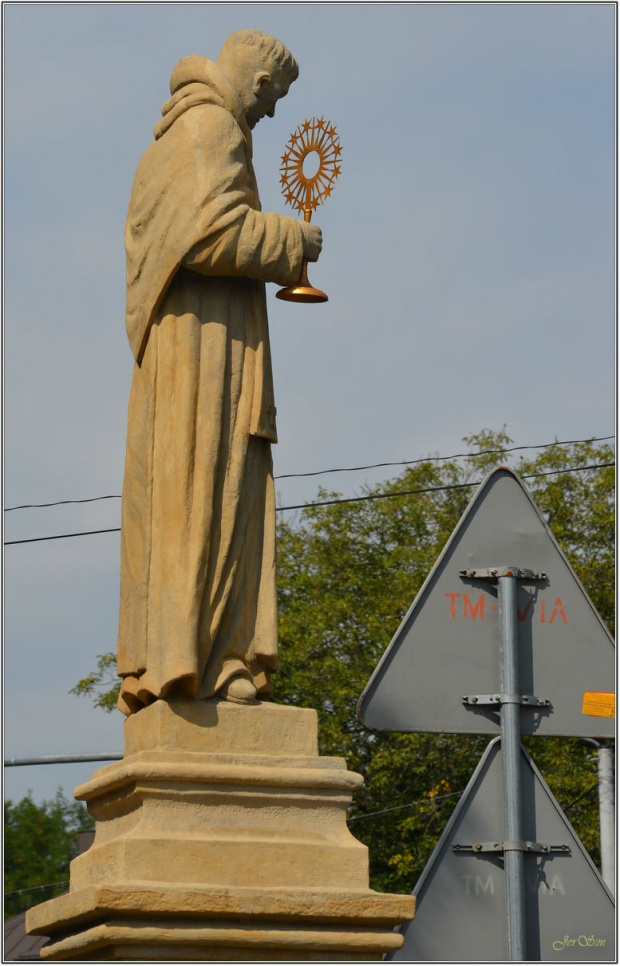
310	166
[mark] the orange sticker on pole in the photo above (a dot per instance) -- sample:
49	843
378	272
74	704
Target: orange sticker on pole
599	704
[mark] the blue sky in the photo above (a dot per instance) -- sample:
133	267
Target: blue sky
468	256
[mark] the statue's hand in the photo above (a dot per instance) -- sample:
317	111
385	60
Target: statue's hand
313	240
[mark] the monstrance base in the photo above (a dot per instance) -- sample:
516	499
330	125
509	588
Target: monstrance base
302	293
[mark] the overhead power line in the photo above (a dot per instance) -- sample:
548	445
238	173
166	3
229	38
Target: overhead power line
345	499
437	459
350	821
400	808
343	469
39	506
445	797
62	536
50	885
432	489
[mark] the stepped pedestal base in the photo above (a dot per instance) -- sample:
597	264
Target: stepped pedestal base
221	835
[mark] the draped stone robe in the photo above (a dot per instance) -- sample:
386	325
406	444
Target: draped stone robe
198	597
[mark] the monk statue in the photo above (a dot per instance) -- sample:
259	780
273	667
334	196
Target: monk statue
198	613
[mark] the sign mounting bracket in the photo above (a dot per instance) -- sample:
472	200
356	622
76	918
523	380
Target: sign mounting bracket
539	848
494	573
525	700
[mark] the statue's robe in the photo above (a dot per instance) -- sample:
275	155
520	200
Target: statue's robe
198	595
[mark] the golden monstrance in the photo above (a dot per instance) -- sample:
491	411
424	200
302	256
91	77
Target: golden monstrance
313	147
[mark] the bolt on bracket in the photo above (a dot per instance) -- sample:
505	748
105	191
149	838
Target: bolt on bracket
539	848
525	700
494	573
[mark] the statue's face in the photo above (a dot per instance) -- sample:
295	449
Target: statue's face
263	96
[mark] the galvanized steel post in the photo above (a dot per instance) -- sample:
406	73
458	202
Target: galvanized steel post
607	814
606	811
511	763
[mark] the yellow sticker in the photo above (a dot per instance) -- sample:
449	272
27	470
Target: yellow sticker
599	704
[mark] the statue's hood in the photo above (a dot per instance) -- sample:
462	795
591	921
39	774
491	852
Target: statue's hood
197	80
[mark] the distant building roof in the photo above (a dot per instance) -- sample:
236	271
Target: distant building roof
19	947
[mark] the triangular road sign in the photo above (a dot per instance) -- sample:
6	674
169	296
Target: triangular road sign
447	646
461	896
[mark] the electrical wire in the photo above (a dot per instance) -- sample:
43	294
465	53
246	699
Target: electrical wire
588	791
437	459
345	469
38	506
439	798
50	885
333	502
62	536
433	489
350	821
400	808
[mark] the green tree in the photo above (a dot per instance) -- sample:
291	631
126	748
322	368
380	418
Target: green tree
348	570
39	843
102	684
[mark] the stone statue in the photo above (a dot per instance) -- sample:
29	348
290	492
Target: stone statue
198	595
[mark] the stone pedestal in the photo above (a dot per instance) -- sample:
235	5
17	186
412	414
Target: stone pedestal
221	835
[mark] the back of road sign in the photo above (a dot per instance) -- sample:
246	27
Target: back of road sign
461	895
447	646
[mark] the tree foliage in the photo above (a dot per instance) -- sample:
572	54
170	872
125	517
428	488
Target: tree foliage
347	573
102	684
39	843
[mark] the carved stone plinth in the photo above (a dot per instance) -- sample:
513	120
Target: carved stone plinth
221	835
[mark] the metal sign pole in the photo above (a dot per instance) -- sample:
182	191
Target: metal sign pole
607	814
453	638
606	811
511	759
510	701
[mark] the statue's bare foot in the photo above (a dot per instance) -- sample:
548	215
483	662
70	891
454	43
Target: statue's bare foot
239	690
